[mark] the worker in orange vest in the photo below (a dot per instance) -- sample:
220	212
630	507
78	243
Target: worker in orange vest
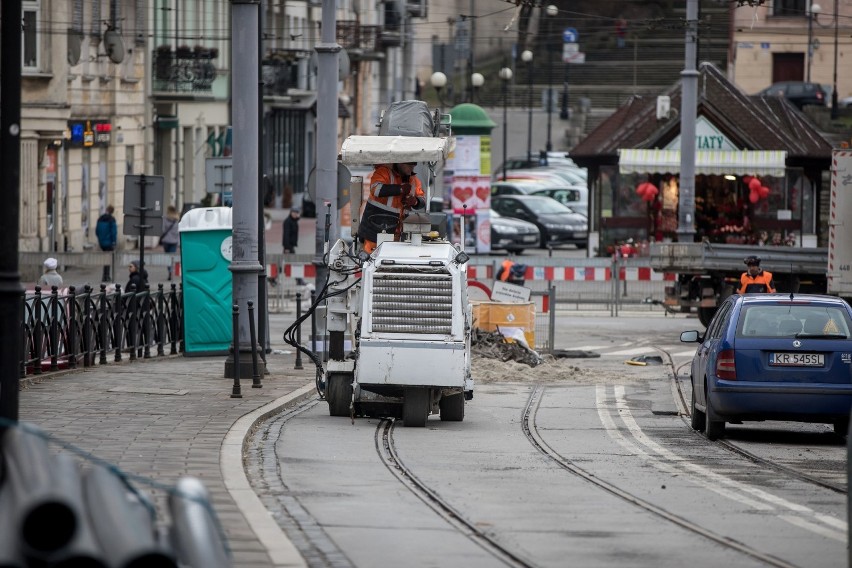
512	272
394	190
755	280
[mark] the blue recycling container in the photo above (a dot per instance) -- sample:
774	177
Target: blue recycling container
205	256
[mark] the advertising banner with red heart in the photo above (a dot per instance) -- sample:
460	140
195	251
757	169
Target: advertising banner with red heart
470	193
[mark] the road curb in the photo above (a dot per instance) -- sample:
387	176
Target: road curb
281	550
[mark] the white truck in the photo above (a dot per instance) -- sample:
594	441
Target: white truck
840	226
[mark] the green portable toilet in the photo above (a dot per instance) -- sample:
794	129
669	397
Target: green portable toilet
205	255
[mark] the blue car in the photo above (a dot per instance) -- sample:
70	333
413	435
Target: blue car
773	357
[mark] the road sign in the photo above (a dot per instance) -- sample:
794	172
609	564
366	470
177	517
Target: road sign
143	194
569	49
220	177
579	57
570	35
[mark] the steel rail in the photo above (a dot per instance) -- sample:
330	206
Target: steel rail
686	414
532	434
387	451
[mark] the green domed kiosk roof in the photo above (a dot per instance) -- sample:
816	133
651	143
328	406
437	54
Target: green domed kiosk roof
469	118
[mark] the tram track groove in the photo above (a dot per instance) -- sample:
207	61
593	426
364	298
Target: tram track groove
531	432
306	533
386	449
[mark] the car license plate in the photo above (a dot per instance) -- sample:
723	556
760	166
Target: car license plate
530	238
796	359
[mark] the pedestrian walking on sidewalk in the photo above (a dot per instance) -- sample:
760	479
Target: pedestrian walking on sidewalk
50	277
106	229
170	238
290	238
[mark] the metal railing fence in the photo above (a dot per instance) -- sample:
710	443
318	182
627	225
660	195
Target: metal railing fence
64	331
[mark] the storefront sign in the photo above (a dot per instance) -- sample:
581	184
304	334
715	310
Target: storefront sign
88	133
707	137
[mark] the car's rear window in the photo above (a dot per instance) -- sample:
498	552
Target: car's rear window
793	320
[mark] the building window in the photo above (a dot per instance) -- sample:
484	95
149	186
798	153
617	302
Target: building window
789	8
29	35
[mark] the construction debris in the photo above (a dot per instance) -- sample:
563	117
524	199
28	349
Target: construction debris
493	345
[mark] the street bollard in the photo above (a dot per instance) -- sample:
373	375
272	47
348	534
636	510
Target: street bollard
255	377
298	365
236	391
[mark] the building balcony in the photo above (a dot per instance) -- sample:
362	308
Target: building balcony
362	43
184	70
280	71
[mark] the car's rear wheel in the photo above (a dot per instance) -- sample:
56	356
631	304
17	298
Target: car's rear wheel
697	417
714	428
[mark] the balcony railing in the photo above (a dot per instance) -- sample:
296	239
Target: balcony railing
184	70
280	70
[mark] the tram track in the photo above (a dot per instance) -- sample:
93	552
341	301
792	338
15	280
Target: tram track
528	425
685	412
387	452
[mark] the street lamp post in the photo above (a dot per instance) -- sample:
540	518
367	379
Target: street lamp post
476	81
551	11
438	81
527	57
505	76
813	9
834	86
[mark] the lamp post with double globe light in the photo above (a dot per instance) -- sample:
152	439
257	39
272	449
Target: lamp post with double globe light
551	11
476	81
527	57
505	77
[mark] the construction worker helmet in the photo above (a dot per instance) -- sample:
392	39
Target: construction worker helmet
752	260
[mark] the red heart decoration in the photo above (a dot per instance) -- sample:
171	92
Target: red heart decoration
463	193
483	192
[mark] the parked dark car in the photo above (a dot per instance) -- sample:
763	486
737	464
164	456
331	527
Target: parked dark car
512	234
798	92
556	223
575	198
773	357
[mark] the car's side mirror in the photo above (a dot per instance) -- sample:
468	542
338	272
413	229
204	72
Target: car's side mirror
691	336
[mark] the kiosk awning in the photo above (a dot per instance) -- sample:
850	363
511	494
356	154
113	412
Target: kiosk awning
707	162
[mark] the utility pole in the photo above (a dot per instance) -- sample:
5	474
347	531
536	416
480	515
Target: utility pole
326	189
688	103
11	292
245	266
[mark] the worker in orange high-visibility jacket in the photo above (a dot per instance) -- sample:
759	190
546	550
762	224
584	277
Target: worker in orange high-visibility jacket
754	279
512	272
394	191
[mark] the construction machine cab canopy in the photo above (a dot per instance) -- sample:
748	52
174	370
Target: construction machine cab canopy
361	150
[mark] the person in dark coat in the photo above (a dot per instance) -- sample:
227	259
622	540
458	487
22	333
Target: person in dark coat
291	230
138	277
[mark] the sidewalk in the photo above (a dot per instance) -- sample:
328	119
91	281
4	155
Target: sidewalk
163	418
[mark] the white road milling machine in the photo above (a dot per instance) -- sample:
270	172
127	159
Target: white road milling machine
398	320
